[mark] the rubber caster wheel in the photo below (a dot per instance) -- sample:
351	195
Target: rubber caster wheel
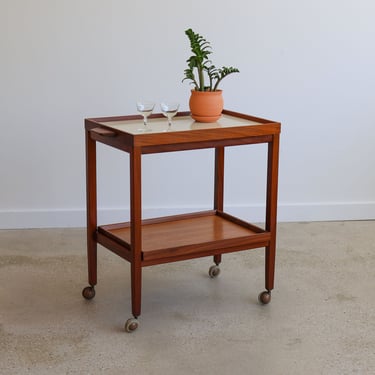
264	297
88	292
131	325
214	271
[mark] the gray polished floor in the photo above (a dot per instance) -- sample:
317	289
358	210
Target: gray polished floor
321	319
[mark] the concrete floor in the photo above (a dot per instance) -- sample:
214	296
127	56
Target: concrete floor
321	319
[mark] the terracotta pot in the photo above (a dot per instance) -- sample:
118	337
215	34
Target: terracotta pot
206	106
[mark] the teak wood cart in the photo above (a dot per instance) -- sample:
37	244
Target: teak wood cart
186	236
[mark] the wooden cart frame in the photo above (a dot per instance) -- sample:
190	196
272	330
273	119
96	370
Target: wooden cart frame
186	236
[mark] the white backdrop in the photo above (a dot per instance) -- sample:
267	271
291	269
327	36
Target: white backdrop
308	64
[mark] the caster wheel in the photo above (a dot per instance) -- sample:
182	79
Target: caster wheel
131	325
214	271
264	297
88	292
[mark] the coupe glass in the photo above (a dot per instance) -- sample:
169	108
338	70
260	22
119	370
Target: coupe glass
145	108
169	110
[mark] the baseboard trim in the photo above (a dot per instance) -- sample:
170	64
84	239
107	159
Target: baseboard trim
287	212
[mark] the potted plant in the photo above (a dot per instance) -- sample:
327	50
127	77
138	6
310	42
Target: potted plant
206	100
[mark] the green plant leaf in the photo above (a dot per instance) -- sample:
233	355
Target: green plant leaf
200	63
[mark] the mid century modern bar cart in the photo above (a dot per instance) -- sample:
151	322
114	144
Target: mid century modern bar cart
174	238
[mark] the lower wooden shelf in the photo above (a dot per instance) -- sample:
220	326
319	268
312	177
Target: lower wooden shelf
186	236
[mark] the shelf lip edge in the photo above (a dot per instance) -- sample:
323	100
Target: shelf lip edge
161	219
184	216
211	248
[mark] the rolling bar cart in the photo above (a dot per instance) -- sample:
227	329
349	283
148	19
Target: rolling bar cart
191	235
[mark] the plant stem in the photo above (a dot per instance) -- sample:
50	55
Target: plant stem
201	79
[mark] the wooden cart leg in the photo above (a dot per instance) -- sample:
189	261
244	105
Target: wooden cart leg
219	179
91	207
89	291
271	217
136	237
136	291
92	262
217	259
265	296
136	288
218	199
270	267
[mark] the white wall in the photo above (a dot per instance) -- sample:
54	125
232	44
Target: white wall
307	64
